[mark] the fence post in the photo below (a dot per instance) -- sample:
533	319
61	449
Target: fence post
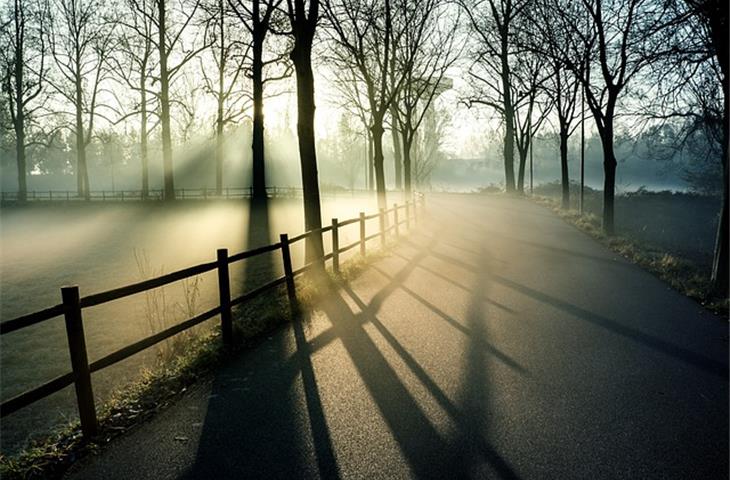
395	219
382	226
335	247
205	193
408	215
67	195
79	360
291	291
362	233
224	294
122	195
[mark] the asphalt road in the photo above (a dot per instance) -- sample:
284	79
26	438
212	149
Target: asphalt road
495	342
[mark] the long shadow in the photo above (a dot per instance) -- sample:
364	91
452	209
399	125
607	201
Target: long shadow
428	455
506	359
261	422
700	361
475	387
426	451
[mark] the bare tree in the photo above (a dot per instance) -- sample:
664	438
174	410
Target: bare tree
81	41
354	101
229	51
371	35
562	85
528	77
617	37
428	56
260	22
491	23
23	52
175	47
303	17
134	62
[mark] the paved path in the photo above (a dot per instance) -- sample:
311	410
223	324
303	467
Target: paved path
496	342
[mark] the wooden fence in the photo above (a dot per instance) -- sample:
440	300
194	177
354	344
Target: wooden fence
158	194
73	304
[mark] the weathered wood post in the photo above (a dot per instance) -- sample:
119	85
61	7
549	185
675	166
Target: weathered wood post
362	233
408	215
395	219
224	294
288	273
335	247
50	195
382	226
122	195
79	360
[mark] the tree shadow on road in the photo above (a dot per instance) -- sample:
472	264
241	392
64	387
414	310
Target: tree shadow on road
262	421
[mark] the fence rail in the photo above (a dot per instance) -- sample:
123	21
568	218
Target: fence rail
73	304
180	193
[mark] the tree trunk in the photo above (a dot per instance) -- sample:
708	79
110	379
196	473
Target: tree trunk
20	154
20	125
82	175
301	55
407	165
371	164
720	274
397	157
259	166
509	119
143	142
165	106
521	173
564	180
378	161
718	18
609	177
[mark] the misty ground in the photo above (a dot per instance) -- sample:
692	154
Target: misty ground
46	246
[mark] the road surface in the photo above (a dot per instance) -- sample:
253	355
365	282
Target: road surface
496	341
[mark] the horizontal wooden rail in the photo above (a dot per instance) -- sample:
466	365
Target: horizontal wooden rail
26	398
252	253
30	319
258	291
349	247
128	351
349	222
139	287
72	307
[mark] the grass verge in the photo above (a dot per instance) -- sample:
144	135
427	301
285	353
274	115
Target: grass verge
682	275
159	387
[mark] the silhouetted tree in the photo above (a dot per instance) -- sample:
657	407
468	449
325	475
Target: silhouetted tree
491	24
23	52
429	54
260	17
303	16
229	51
170	33
618	38
133	63
81	41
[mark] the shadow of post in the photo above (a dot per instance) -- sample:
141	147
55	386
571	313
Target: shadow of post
261	422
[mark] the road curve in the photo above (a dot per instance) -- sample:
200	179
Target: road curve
496	341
